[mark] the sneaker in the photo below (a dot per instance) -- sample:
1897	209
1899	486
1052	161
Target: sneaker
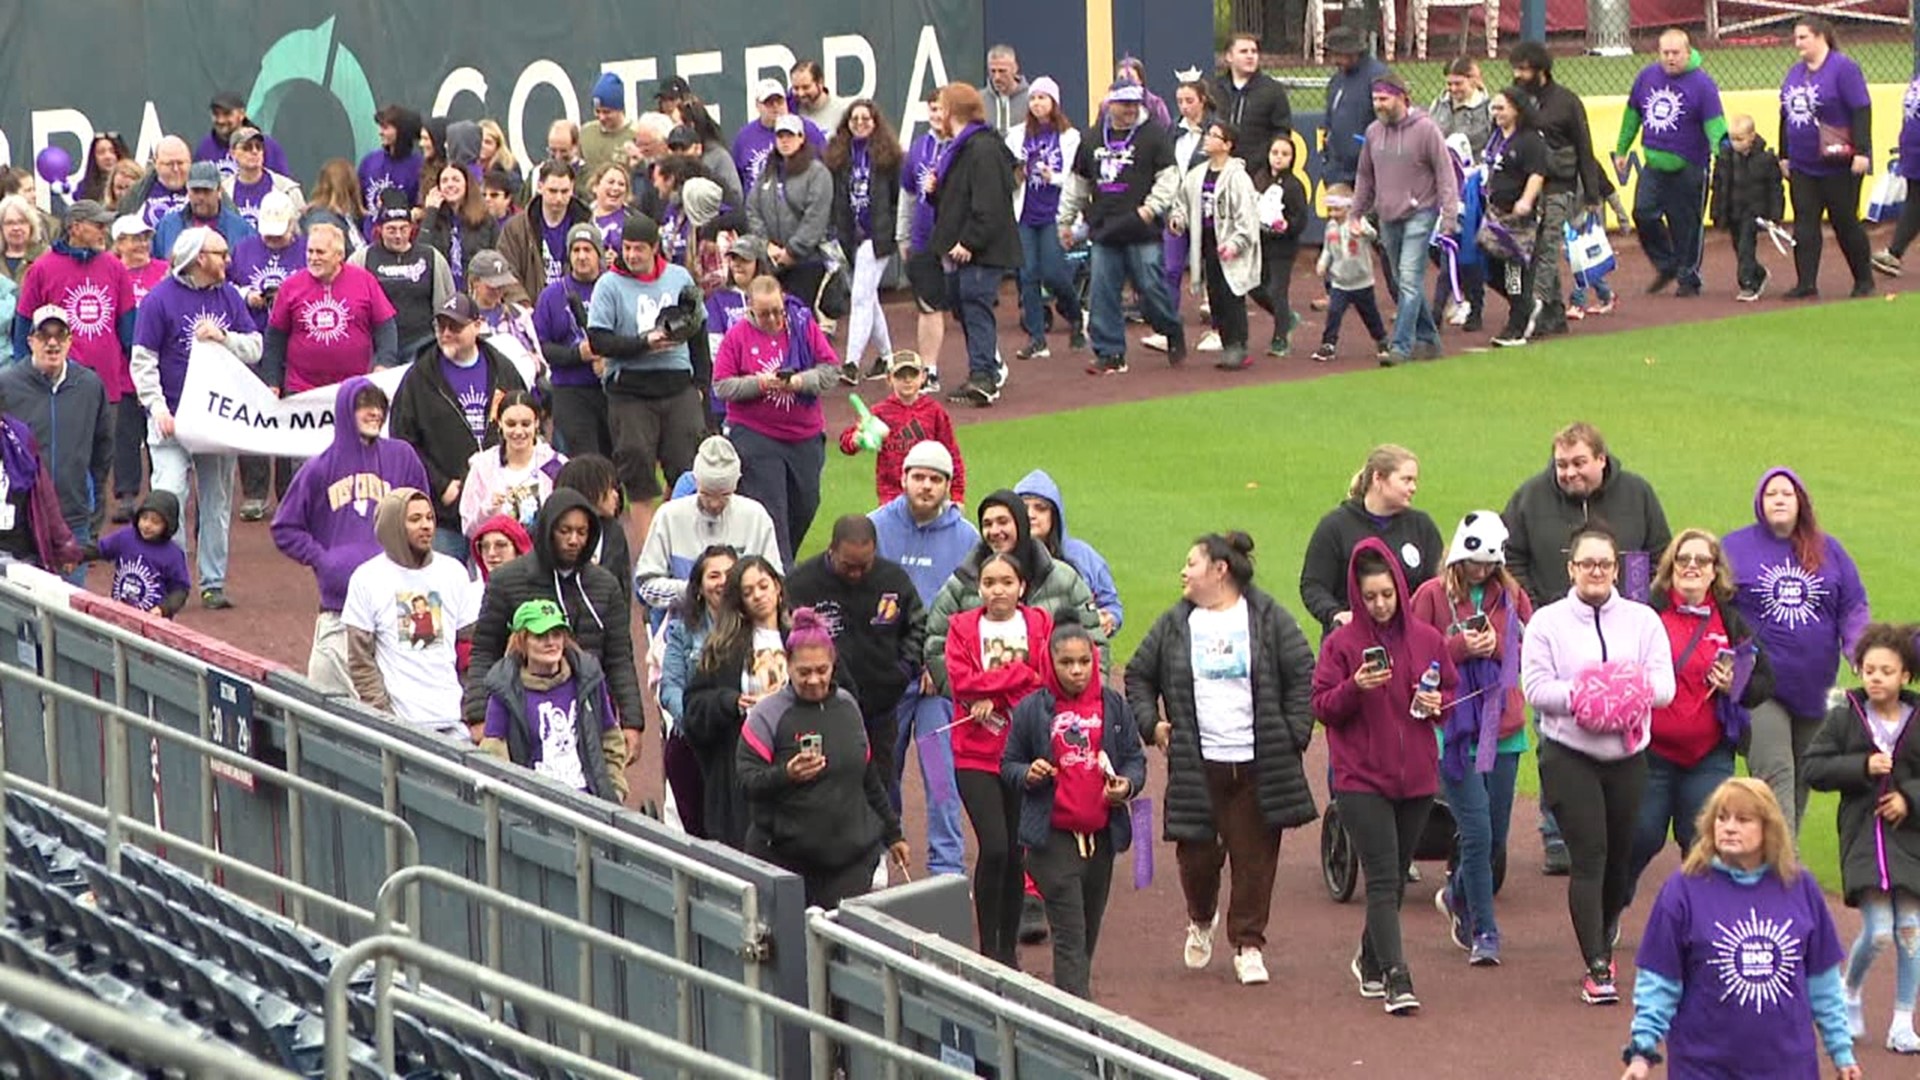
1034	350
1687	290
1903	1041
1856	1016
1176	350
1507	339
1413	873
999	373
1382	349
1597	987
850	373
1199	951
253	510
1456	917
1485	951
1234	359
1324	354
1278	347
1575	313
1156	342
1394	358
215	599
1210	342
1886	262
1107	365
1555	860
1660	281
1077	341
1249	967
877	371
1605	307
1400	999
933	383
1802	292
1862	289
1033	920
981	392
1473	324
1428	350
1747	296
1373	984
1761	289
1457	312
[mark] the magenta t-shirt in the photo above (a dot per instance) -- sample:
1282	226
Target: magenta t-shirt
94	294
329	327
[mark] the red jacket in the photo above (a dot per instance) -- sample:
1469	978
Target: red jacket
1373	742
925	419
975	745
1431	606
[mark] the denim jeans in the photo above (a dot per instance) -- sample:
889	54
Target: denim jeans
1675	795
213	480
971	291
1482	805
452	542
1884	919
921	720
1115	265
1043	263
1668	208
1405	244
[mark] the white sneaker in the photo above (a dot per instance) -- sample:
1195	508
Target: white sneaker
1156	342
1902	1040
1209	342
1856	1017
1457	312
1199	952
1249	968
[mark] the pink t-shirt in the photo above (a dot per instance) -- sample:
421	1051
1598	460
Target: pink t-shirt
94	294
329	327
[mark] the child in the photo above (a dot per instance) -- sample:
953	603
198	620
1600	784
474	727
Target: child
1283	217
547	706
912	416
1746	186
1577	307
1865	751
149	569
1346	262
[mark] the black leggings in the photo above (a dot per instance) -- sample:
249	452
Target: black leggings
998	874
1597	804
1838	197
1229	309
1276	283
1384	832
1908	226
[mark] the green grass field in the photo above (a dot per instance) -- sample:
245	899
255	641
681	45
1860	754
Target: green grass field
1699	409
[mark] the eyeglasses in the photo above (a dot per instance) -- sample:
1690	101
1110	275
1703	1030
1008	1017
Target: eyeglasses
1694	560
1595	566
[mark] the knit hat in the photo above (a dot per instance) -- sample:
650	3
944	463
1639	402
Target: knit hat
700	197
1345	40
186	246
585	233
809	631
1123	90
1044	85
1481	537
610	92
928	454
640	229
716	468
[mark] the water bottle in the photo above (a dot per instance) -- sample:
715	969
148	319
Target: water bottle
1429	681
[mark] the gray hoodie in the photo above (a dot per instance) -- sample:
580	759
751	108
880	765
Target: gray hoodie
1008	109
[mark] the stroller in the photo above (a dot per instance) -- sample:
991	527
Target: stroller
1340	862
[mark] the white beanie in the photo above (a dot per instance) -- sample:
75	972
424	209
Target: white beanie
716	468
186	247
701	198
1481	537
928	454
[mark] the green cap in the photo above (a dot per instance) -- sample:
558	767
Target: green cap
538	617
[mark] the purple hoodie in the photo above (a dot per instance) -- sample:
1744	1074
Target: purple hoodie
1908	164
923	157
1569	636
326	517
1805	619
554	324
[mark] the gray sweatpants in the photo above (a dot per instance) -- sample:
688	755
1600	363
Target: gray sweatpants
1778	742
1548	250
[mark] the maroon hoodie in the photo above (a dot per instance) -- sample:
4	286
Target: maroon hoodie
1374	743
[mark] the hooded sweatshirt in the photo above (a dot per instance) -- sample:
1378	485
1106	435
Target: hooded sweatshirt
1570	637
1017	669
325	521
924	420
915	227
150	574
681	531
96	292
1079	554
1410	534
395	169
1470	118
877	626
1873	854
1405	169
1349	111
521	490
1076	734
929	553
1374	743
1806	618
626	306
1678	117
413	606
1006	110
1541	516
1494	722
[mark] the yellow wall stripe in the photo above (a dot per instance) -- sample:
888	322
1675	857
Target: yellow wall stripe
1099	52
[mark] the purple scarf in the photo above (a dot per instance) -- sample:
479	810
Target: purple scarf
1473	720
21	464
1734	718
949	151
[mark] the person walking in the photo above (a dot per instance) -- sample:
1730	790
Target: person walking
1218	212
1349	108
974	234
548	709
864	158
1826	145
743	662
65	406
1379	503
1517	161
1044	149
1573	176
1674	109
1405	174
403	610
1254	102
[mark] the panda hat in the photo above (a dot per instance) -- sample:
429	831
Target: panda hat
1480	537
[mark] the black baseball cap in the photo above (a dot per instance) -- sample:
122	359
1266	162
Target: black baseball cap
460	310
682	137
673	87
227	99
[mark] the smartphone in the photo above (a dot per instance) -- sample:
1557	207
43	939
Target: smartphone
1477	623
1724	656
1376	658
810	743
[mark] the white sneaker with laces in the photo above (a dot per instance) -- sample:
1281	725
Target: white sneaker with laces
1199	952
1457	312
1902	1040
1249	967
1209	342
1156	342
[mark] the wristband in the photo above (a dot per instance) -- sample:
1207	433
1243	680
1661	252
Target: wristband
1635	1050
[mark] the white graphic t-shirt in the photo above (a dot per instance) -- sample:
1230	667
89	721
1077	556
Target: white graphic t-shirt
1002	642
414	615
1222	659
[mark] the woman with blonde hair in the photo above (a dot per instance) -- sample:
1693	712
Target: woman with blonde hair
1379	503
1740	965
494	153
127	174
23	238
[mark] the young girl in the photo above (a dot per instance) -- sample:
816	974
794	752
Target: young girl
744	659
1283	217
1044	149
547	707
1346	262
515	477
1217	213
996	655
1865	750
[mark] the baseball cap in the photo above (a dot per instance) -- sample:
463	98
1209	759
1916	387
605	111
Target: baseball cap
47	313
393	212
789	124
489	267
203	176
905	360
928	454
227	99
769	88
131	225
460	310
583	233
1125	90
682	137
673	87
751	248
89	211
538	617
276	214
245	134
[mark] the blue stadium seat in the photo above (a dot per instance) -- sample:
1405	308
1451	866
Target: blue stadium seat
48	1051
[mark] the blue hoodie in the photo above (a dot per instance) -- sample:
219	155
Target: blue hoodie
931	552
326	518
1078	553
1349	111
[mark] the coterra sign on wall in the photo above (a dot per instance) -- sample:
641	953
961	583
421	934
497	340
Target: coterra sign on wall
313	74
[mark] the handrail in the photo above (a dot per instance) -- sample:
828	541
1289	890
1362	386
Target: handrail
660	1048
412	877
149	1040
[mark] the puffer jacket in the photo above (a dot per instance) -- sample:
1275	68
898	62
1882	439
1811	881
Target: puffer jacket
1873	854
1747	186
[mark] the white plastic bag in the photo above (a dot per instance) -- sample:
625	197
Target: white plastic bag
1589	251
1889	195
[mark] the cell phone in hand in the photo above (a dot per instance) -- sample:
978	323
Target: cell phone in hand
1476	623
1376	659
1724	656
810	743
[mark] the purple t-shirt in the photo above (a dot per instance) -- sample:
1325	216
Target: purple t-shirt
1042	203
923	158
469	384
380	172
167	319
553	247
246	197
1811	98
860	189
161	202
610	226
259	268
1745	955
1909	163
144	571
553	739
1674	110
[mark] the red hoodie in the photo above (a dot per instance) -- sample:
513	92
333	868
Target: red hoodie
1373	742
1075	746
522	543
925	419
978	746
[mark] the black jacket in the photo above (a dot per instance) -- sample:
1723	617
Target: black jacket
883	194
1259	109
73	424
426	415
1837	761
711	728
439	227
974	203
597	606
1160	675
1114	217
1030	738
1563	122
1541	518
503	684
1411	535
879	628
1747	186
1299	216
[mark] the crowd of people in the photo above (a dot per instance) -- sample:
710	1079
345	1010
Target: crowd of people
628	344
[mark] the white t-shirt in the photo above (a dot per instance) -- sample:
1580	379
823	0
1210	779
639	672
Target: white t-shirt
559	734
767	667
1002	642
414	616
1223	682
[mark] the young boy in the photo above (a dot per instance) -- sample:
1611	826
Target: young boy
1746	186
149	569
1346	262
911	416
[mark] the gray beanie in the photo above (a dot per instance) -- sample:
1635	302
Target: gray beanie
701	198
927	454
186	247
716	468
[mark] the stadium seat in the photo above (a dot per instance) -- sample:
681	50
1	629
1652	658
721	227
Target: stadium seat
52	1052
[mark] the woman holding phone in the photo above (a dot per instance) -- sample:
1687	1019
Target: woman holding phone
743	660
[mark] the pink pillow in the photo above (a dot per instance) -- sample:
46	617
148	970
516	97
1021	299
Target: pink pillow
1613	697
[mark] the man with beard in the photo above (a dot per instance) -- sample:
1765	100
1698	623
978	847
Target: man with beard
404	609
1573	177
413	274
229	111
206	207
1406	176
560	322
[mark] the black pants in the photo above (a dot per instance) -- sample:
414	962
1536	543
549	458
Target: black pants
1748	273
1360	300
1229	310
258	473
129	437
1838	197
580	420
1384	832
803	280
1514	279
825	888
1597	804
1908	226
1276	283
994	810
1075	887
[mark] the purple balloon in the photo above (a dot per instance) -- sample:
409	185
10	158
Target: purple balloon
53	164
